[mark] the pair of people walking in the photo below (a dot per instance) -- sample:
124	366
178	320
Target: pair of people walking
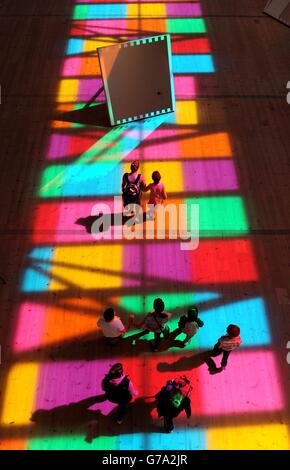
133	184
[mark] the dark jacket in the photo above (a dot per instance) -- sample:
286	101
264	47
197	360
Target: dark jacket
166	408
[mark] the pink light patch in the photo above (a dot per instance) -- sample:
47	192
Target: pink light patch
100	27
56	223
29	329
69	231
185	87
66	383
72	67
160	144
64	145
250	384
133	1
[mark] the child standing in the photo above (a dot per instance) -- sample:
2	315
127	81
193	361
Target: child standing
112	326
156	322
189	324
119	389
226	344
157	190
171	401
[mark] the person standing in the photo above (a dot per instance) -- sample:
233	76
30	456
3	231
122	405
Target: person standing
133	184
189	324
171	401
112	326
226	344
119	389
155	322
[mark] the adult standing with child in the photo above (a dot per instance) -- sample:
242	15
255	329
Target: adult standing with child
133	184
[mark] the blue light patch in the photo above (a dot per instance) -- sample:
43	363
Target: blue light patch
75	46
249	315
92	179
101	11
192	63
34	280
180	439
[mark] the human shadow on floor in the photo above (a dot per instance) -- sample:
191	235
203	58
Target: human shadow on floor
190	362
96	347
68	415
109	220
78	418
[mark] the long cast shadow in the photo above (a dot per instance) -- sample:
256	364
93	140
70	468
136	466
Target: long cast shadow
189	363
109	220
96	115
77	417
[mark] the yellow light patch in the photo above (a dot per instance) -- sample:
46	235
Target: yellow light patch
257	437
20	394
68	90
153	10
186	112
171	173
93	44
88	267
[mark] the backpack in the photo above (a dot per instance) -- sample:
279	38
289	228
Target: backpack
182	321
132	190
170	397
117	392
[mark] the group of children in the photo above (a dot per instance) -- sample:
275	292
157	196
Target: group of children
170	400
173	398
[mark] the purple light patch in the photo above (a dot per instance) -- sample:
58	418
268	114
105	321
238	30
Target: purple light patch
161	261
133	257
166	261
183	9
58	145
214	175
88	87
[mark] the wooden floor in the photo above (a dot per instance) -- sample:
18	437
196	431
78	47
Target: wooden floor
227	149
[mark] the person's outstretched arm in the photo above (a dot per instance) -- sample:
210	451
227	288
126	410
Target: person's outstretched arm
141	324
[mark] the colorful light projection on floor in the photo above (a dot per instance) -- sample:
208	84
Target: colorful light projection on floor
70	278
